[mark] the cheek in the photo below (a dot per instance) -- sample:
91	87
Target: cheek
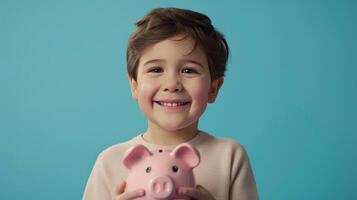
145	96
145	92
199	93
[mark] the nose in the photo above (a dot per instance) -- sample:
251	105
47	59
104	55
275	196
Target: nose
173	84
161	187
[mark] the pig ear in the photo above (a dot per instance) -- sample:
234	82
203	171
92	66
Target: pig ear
186	153
134	155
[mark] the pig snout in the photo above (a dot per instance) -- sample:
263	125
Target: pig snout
161	187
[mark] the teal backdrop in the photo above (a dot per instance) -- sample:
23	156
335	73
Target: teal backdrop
289	94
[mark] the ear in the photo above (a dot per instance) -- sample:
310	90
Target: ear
187	154
133	87
215	86
134	155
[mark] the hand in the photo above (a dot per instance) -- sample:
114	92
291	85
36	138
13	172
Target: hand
198	193
121	194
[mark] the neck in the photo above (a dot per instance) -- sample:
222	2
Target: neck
157	135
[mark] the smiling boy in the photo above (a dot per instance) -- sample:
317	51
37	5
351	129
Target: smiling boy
176	64
171	89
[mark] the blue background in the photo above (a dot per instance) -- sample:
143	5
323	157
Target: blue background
289	95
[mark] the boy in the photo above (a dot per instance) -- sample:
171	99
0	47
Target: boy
176	63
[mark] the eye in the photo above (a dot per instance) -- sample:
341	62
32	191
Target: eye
148	169
189	70
155	69
174	168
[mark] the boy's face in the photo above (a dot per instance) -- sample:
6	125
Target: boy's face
173	88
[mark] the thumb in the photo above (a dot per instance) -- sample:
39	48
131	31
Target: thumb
204	192
121	188
202	189
199	187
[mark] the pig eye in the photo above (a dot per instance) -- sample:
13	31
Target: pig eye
174	168
148	169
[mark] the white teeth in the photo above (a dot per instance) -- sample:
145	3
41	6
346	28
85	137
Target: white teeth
172	104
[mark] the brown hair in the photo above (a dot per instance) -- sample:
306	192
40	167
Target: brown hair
164	23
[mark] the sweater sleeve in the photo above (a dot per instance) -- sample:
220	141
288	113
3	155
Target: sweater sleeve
243	186
97	184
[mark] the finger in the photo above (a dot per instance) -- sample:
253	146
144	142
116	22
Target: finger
191	192
121	187
133	194
202	189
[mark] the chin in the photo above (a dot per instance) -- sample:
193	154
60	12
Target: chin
174	127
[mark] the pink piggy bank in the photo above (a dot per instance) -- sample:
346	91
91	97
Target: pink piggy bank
160	172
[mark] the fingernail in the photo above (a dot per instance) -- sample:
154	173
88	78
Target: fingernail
142	192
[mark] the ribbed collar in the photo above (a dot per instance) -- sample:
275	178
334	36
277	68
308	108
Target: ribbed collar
193	142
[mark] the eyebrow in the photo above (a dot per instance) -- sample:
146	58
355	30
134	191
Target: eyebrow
164	61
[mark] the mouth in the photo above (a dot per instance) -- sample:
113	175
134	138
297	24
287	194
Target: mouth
172	105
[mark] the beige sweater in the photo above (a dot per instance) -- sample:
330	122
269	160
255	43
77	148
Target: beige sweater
224	169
